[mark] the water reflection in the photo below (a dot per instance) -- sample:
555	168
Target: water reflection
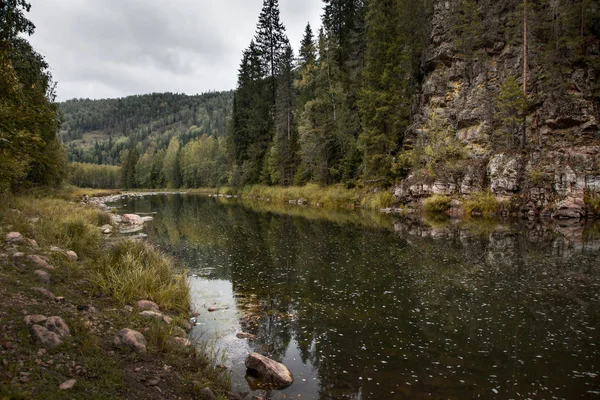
363	307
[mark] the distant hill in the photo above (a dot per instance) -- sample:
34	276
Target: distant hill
100	131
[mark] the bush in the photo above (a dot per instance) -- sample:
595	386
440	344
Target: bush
436	204
592	201
483	203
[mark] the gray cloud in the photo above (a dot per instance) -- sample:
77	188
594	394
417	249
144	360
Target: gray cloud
115	48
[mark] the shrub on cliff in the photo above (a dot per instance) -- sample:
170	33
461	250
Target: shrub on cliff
436	204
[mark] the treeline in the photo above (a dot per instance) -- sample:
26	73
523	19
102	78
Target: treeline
103	131
95	176
342	110
30	153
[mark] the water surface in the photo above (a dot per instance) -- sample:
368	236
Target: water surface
372	307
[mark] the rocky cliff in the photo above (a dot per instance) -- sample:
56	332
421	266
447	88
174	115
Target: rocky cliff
557	172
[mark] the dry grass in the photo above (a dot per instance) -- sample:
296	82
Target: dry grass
483	203
436	204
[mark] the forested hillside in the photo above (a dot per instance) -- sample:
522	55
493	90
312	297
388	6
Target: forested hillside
430	97
103	131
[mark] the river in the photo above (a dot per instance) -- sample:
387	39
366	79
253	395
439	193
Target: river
368	306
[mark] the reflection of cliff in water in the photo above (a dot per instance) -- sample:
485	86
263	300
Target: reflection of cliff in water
418	309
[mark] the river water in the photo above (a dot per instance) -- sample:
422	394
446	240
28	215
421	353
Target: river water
367	306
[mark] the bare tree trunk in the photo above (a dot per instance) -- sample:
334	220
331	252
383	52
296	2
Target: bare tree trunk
524	137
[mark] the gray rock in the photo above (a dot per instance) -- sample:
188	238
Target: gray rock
57	325
39	262
180	342
43	276
45	292
106	229
130	340
570	208
151	314
245	335
206	394
132	219
269	371
45	337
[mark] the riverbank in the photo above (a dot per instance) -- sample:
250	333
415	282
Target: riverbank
84	316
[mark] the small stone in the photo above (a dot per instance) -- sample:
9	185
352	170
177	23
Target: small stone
153	381
138	369
45	337
90	309
133	340
147	305
71	255
33	244
34	319
43	276
67	385
59	299
180	342
128	308
269	371
45	292
14	237
179	332
167	319
106	229
58	325
18	254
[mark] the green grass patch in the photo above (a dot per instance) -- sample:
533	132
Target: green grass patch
436	204
483	203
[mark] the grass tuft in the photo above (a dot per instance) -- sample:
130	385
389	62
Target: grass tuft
135	270
483	203
436	204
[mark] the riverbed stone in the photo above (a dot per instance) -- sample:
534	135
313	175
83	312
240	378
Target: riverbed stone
71	255
133	219
131	340
106	229
269	371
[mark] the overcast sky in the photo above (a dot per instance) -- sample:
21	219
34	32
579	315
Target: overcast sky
115	48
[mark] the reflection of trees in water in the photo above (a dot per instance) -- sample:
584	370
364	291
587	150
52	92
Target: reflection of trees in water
391	306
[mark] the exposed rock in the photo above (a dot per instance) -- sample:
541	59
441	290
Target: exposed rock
245	335
132	219
58	326
106	229
147	219
269	371
503	171
302	202
45	337
45	292
34	319
14	237
32	243
131	340
67	385
43	276
569	208
90	309
131	229
147	305
18	254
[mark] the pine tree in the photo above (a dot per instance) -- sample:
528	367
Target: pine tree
308	52
270	40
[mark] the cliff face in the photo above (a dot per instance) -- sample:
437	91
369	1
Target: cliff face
559	166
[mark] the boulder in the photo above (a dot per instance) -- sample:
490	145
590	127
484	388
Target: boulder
131	340
43	276
58	326
147	305
570	208
67	385
14	237
132	219
269	371
45	337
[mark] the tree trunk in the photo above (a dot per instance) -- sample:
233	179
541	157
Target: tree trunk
524	137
